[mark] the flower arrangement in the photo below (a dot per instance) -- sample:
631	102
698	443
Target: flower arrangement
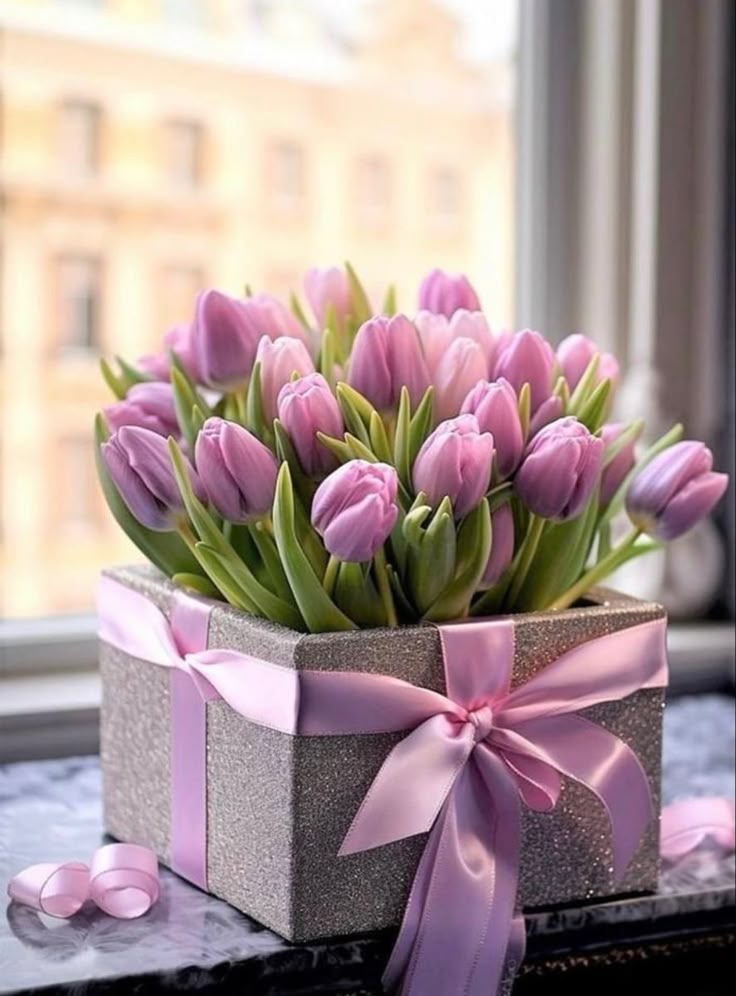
340	468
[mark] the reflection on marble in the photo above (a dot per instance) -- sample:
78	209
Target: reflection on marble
51	811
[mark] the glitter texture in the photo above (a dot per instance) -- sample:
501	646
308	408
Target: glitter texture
279	806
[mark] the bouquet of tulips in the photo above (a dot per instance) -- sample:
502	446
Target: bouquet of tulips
337	468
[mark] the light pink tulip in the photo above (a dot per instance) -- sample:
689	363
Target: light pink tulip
279	359
496	407
455	462
445	293
387	355
354	509
575	353
324	288
460	369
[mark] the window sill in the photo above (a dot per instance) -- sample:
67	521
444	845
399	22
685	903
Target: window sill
50	689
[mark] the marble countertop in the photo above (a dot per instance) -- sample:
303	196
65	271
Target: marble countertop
50	810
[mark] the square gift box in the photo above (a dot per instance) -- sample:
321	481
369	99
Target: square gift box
279	805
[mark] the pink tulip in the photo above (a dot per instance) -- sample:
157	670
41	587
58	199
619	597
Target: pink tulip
502	544
445	293
496	407
237	470
149	405
224	340
575	353
527	359
455	462
269	316
675	491
614	474
354	509
158	365
326	288
474	325
435	337
560	469
387	355
305	407
279	359
548	411
460	369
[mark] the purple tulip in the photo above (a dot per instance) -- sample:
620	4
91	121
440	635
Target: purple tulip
305	407
459	370
575	353
269	316
387	355
615	472
354	509
326	288
279	360
224	340
527	359
675	490
502	545
474	325
158	366
139	464
445	293
435	337
238	472
455	461
149	405
560	469
495	405
548	411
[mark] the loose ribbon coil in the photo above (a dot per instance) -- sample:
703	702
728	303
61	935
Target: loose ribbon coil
122	879
469	760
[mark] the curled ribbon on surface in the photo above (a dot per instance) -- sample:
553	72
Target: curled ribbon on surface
122	880
469	761
688	823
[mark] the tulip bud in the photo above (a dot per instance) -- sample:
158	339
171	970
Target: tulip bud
575	353
327	288
560	469
387	355
502	545
238	472
675	490
496	407
138	462
459	370
305	407
354	509
224	340
445	293
474	325
149	405
279	360
269	316
435	337
615	472
548	411
158	365
527	359
455	462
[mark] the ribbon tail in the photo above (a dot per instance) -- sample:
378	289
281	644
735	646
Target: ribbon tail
464	894
687	823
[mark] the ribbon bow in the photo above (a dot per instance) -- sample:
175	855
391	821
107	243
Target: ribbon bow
122	880
470	759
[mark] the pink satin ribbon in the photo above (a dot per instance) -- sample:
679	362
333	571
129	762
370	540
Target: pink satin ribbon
122	880
688	823
469	760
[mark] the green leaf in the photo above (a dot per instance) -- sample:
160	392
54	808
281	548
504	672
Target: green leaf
413	522
360	306
274	568
593	413
379	439
359	450
402	459
500	495
268	604
389	302
421	423
197	583
185	401
115	383
298	311
287	454
327	357
336	446
631	433
131	374
211	562
356	595
254	420
562	391
166	551
585	386
319	611
473	549
525	409
432	567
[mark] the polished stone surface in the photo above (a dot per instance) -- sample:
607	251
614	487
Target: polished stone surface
51	811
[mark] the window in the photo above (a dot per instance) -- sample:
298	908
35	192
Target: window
373	189
184	140
79	303
445	198
177	289
286	180
80	138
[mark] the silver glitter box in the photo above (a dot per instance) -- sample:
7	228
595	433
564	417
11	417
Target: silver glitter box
278	806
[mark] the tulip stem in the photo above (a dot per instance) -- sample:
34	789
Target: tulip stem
526	556
186	533
384	587
328	581
604	567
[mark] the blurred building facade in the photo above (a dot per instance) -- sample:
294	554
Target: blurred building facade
152	148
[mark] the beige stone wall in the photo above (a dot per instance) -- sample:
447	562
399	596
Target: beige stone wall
418	114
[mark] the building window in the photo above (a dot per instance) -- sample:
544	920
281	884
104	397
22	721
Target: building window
79	307
287	172
184	142
445	200
80	138
78	486
177	288
373	189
